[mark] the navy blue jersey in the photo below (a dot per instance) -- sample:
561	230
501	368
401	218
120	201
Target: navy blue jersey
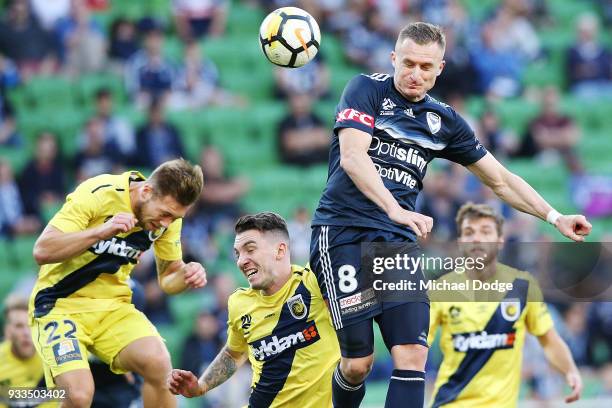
406	136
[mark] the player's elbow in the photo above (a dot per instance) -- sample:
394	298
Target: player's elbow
171	286
349	161
41	255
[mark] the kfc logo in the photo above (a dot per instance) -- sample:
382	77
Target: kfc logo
355	115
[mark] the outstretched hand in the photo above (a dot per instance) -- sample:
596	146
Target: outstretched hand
575	227
184	383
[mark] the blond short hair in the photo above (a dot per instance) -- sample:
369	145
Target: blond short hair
14	302
473	211
178	179
422	34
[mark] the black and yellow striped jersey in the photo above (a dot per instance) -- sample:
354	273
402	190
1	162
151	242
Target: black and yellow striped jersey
97	279
291	344
482	342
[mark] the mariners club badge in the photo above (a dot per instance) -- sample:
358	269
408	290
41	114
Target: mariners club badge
297	307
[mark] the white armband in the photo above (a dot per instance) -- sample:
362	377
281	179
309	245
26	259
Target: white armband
553	216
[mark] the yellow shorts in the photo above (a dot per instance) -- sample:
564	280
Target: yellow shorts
64	340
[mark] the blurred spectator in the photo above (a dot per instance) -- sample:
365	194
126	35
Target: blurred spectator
341	15
9	76
552	131
299	231
148	74
303	139
197	83
49	12
499	70
156	307
118	131
589	64
605	10
220	199
459	75
195	19
574	331
82	41
369	43
24	41
224	286
512	32
157	140
311	79
439	200
13	221
202	345
599	321
9	136
499	141
96	156
123	43
43	182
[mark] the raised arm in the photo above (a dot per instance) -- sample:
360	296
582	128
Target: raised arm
358	165
54	246
220	370
519	194
559	356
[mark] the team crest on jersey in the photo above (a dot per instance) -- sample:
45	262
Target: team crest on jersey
297	307
510	309
434	122
454	312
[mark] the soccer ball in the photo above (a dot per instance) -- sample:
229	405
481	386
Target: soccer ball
289	37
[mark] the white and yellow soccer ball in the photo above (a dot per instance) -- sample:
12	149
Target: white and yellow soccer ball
289	37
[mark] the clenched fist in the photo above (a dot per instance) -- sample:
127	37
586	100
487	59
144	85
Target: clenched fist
195	275
120	223
184	383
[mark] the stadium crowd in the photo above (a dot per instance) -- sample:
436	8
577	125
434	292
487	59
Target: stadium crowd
159	67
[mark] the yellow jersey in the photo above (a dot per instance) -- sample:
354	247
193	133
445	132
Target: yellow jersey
15	372
482	342
290	341
97	279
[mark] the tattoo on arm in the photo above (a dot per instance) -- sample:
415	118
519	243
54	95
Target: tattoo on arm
161	265
222	368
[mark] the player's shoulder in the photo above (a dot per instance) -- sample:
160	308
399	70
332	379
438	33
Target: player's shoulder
240	295
370	82
440	107
105	183
302	273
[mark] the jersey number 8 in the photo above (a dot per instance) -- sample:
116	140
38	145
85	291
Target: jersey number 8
348	282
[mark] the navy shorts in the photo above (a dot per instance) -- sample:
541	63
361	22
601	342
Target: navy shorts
335	258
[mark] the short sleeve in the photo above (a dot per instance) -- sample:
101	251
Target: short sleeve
537	317
168	246
235	339
358	103
463	147
80	208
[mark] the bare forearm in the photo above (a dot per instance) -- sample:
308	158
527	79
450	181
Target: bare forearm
521	196
558	354
361	170
171	276
55	246
219	371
